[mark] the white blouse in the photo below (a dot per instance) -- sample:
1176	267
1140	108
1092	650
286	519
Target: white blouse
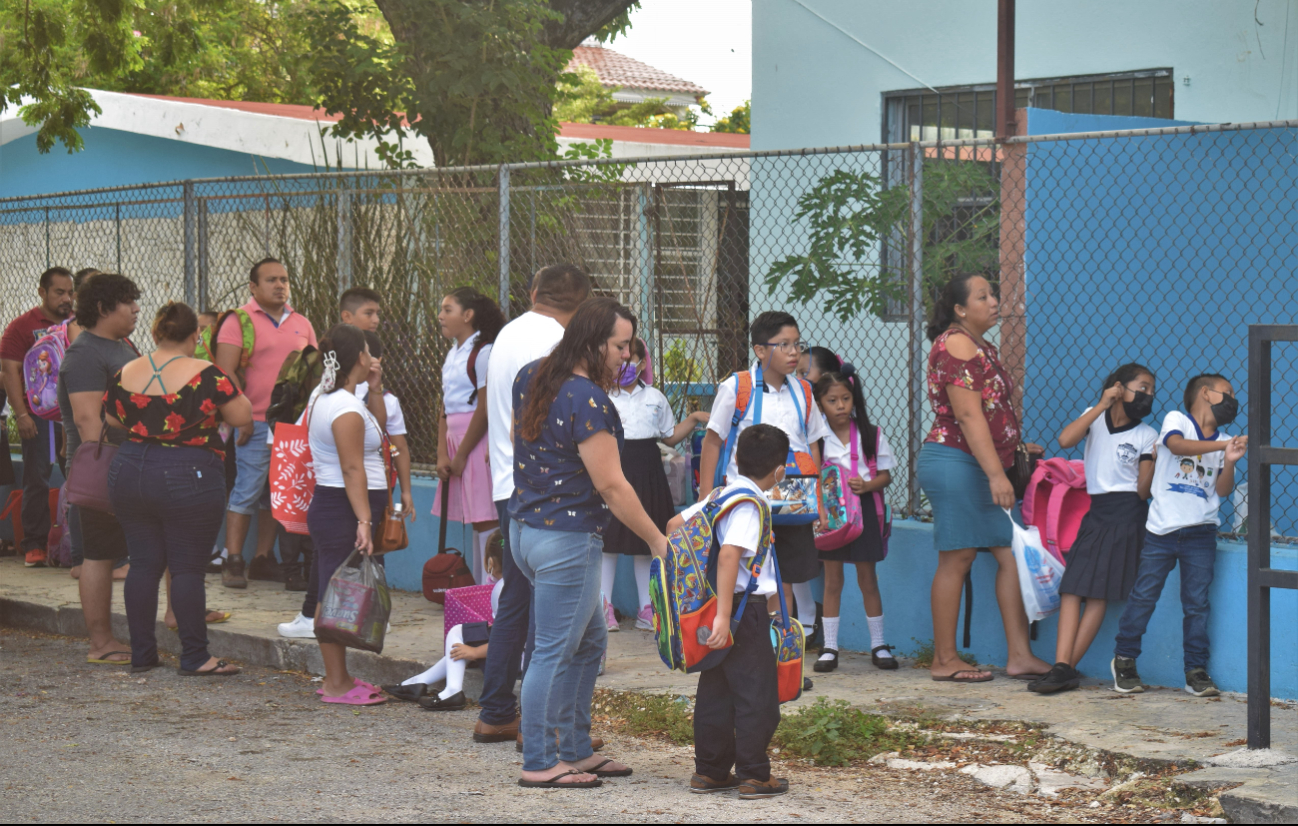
644	411
839	454
456	387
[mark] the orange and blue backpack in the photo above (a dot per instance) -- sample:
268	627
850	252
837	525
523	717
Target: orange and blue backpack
682	589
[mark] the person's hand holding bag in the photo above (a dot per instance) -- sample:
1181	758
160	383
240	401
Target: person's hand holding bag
364	538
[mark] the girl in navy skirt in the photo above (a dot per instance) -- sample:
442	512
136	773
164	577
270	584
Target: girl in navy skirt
646	419
1104	557
839	396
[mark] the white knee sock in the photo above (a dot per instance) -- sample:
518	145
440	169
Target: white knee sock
876	634
439	671
830	625
454	678
806	605
642	578
608	576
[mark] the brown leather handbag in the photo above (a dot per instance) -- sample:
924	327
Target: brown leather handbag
391	535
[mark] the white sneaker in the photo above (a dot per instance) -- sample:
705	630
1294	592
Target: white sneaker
610	619
301	628
645	621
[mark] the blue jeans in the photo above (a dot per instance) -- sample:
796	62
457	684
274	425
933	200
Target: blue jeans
1195	548
571	636
513	636
170	502
36	486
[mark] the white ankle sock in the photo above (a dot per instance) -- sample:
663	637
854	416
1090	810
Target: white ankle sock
642	578
876	634
806	605
830	625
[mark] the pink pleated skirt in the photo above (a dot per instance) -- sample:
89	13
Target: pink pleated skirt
470	493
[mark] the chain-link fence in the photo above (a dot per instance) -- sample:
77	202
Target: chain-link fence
1157	246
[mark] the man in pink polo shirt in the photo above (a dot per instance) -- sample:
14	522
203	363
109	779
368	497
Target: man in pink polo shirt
278	331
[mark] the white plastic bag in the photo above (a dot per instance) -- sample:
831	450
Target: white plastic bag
1039	572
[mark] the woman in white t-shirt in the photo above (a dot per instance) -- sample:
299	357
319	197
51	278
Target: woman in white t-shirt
647	418
1103	560
351	486
838	393
471	321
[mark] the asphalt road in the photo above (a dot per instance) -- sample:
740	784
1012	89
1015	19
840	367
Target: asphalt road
81	743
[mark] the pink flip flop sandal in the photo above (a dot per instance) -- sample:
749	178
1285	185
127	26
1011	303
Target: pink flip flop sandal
358	696
359	684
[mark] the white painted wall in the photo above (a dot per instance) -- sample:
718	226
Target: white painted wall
815	86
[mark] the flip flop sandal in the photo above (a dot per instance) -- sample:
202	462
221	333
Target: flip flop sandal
599	772
214	671
1028	678
359	683
105	661
956	678
553	782
358	696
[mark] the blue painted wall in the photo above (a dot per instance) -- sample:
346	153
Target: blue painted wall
113	158
1160	251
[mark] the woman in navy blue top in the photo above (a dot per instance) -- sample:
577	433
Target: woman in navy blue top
567	483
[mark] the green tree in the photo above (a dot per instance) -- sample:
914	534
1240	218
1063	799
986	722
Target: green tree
739	120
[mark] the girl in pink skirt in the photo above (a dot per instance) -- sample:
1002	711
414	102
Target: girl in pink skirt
471	320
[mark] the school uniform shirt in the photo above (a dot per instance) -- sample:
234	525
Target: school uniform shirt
741	526
391	404
645	412
1185	487
456	386
838	453
522	341
779	408
1113	455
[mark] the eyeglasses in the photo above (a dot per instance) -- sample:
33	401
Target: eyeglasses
790	347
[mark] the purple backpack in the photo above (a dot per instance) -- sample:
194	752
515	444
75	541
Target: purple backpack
59	546
41	372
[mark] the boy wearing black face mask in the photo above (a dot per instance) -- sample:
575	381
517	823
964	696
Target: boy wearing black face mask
1182	528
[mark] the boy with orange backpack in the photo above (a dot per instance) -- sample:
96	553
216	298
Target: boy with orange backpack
770	393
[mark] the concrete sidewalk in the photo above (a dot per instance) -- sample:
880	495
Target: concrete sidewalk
1163	724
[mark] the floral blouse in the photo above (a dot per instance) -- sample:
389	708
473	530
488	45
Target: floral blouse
983	373
186	418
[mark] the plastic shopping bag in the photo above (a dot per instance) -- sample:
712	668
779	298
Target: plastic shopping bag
356	606
1039	572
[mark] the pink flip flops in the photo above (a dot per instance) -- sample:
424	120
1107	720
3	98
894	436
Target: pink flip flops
358	696
359	684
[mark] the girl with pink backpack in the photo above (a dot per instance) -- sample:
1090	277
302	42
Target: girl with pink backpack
863	459
1103	559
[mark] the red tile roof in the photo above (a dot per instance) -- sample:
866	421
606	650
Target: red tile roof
616	69
578	131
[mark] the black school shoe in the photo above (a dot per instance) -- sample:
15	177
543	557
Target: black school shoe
824	666
1062	677
881	662
265	569
410	693
455	702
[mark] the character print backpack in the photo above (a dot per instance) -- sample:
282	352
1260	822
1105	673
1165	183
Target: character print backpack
796	500
41	372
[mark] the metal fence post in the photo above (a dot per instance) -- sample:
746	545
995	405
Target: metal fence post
344	260
191	258
502	182
117	208
644	255
47	238
916	364
203	249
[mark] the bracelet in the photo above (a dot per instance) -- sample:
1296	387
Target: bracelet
363	522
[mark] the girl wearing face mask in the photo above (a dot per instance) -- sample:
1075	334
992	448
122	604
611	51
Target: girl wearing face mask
646	419
1103	561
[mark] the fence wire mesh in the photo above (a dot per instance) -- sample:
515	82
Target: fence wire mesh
1152	246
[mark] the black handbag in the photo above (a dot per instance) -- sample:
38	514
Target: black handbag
1020	473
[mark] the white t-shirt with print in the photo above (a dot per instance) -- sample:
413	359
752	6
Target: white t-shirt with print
456	387
778	408
741	526
838	453
1185	487
1113	455
396	418
644	411
325	408
522	341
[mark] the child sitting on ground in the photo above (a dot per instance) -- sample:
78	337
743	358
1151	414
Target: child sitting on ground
737	708
1182	528
464	644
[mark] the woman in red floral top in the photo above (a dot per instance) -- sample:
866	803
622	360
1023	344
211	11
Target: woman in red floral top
167	483
962	469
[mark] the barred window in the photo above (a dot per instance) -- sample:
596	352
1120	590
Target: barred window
960	112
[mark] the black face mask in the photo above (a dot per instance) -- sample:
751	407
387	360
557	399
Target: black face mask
1225	410
1139	407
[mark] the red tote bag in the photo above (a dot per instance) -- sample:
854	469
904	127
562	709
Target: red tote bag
292	477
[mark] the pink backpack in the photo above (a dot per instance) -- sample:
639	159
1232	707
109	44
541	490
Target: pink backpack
1055	502
41	372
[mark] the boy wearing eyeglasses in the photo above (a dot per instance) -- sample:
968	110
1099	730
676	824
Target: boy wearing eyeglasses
1182	528
786	403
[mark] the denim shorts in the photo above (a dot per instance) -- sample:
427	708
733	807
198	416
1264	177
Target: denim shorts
253	463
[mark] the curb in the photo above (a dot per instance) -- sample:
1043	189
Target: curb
249	649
